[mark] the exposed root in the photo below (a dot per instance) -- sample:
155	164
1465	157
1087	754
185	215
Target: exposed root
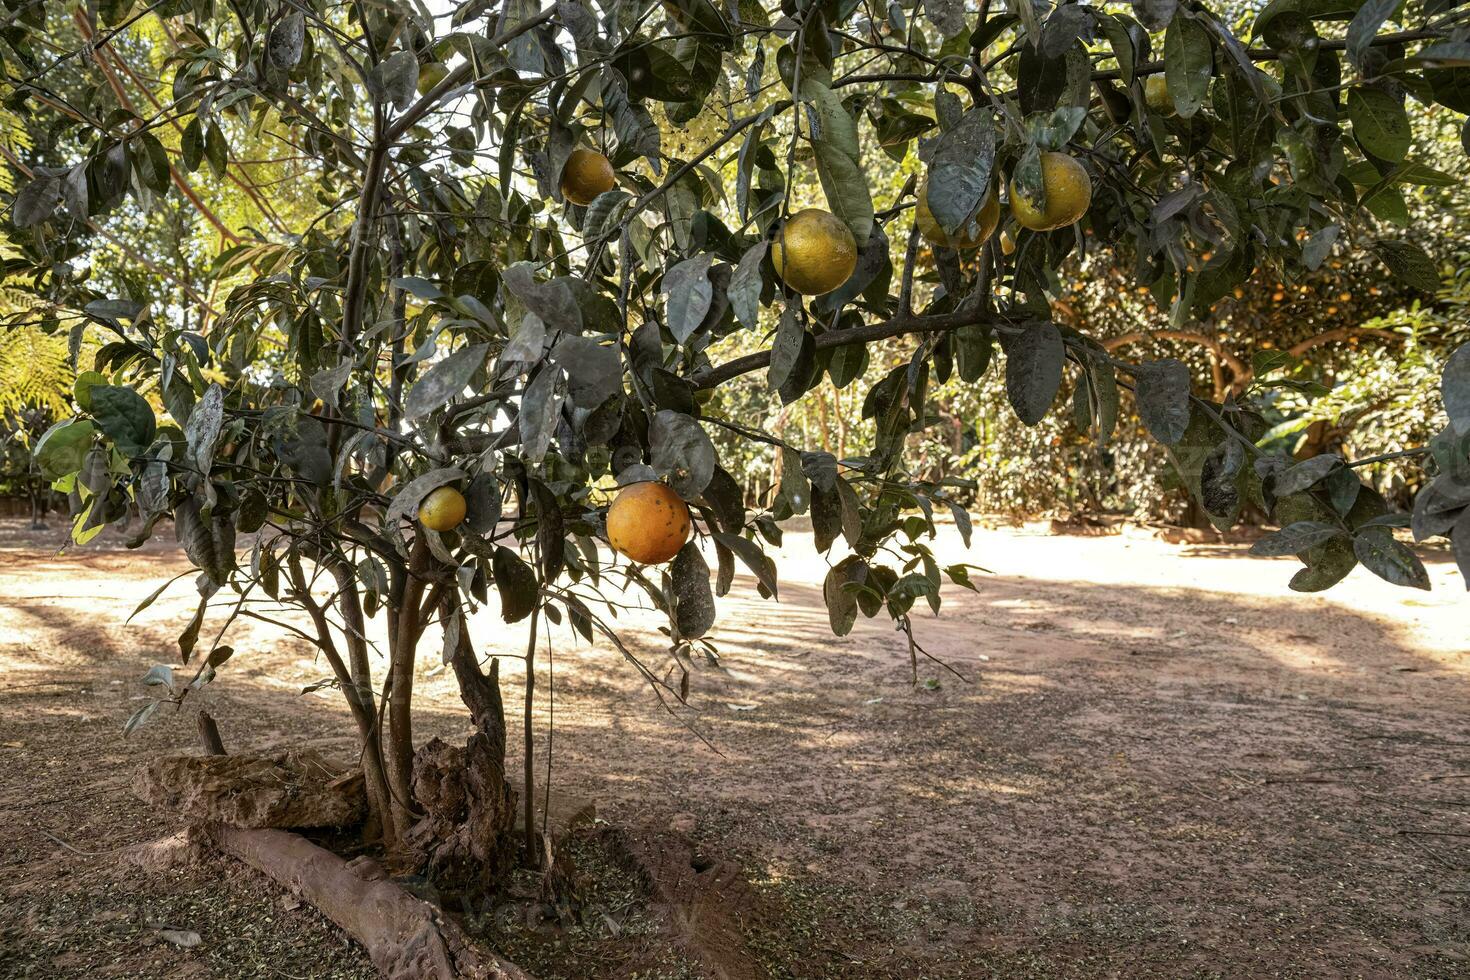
405	937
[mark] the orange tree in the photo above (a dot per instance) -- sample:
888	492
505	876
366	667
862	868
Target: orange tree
517	286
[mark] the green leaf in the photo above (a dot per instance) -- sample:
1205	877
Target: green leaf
842	605
693	603
745	286
1189	61
1034	370
960	172
1162	393
516	583
834	137
690	295
1364	27
151	161
191	144
1380	123
1389	559
62	449
153	596
216	150
1116	30
759	563
847	363
680	449
286	41
125	417
444	381
1409	263
1295	539
36	202
1454	386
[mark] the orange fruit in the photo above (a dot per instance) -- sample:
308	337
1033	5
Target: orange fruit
442	510
814	252
972	236
1156	94
647	522
1068	195
585	175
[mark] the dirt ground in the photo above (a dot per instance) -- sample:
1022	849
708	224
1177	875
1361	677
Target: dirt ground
1161	764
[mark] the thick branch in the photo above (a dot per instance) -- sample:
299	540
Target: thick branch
1265	54
1341	333
896	327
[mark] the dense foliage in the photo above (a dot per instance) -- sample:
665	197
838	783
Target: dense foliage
434	309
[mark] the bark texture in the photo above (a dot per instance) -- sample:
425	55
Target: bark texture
464	838
296	788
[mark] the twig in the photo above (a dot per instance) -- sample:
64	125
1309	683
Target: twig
78	850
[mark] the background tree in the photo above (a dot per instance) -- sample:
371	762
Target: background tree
531	249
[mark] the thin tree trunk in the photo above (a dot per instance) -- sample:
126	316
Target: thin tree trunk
533	852
398	754
383	818
465	838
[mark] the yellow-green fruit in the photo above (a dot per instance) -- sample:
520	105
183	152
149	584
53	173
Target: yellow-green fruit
1156	94
648	523
1068	194
814	252
430	75
586	174
1007	243
442	510
974	237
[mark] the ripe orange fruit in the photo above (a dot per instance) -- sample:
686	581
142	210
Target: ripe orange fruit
814	252
1068	194
585	175
442	510
970	236
647	522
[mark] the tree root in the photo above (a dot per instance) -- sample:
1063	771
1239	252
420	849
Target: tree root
406	938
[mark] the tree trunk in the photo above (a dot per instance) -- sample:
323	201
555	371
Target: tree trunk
398	750
465	837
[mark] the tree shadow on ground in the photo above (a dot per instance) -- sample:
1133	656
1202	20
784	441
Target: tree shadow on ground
1160	781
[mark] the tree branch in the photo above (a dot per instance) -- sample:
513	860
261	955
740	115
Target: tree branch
895	327
458	76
